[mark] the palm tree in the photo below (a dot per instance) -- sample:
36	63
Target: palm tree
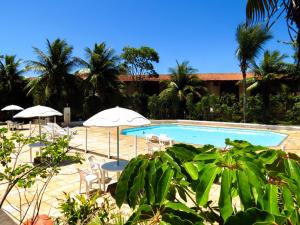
250	42
266	75
10	71
103	79
183	82
269	11
12	82
55	81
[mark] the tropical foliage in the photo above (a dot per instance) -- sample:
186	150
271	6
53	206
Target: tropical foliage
55	83
266	75
175	186
250	42
269	11
16	174
12	82
139	61
183	82
102	84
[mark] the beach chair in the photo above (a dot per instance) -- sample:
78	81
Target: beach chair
165	140
53	131
95	166
60	130
152	147
88	179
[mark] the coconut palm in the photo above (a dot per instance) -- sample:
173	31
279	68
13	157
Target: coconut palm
103	74
250	41
10	71
266	75
269	12
12	82
55	82
183	82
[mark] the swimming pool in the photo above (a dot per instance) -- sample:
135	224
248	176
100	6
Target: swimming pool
208	135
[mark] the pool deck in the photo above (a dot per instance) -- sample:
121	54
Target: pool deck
98	145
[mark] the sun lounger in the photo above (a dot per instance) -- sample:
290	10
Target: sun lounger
52	130
165	140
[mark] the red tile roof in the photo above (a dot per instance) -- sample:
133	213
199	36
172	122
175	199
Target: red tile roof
214	76
202	76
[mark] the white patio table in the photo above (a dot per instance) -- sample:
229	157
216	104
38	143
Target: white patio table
114	166
36	145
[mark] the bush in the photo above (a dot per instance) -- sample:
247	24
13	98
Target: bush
264	182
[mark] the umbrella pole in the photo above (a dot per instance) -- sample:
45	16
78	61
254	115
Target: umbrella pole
135	145
108	156
30	128
53	132
118	150
40	129
86	140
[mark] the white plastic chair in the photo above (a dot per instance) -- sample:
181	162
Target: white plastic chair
95	166
165	140
88	179
151	147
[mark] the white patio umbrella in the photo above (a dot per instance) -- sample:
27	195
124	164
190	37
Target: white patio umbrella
38	111
116	117
12	108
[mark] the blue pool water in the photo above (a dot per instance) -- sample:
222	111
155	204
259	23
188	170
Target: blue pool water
208	135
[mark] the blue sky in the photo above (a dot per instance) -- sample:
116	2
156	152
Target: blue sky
202	32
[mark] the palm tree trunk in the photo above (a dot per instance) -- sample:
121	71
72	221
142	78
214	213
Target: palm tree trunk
265	95
244	97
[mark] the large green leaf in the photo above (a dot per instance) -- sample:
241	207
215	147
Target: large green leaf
225	200
287	199
138	184
268	157
122	186
244	189
168	158
182	153
207	156
293	170
163	185
179	207
251	216
191	169
150	175
178	220
270	201
142	212
206	178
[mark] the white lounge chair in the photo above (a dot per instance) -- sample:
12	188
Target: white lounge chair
53	131
88	179
60	130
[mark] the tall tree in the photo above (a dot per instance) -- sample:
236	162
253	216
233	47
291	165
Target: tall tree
183	82
250	41
139	62
12	82
103	75
10	71
55	82
267	75
269	11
